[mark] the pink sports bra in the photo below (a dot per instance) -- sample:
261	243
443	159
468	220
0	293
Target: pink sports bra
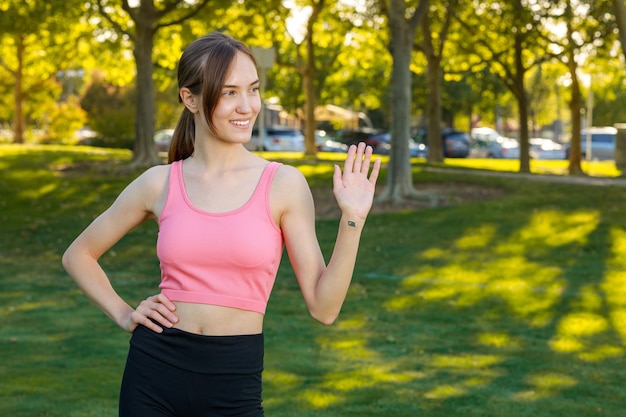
227	259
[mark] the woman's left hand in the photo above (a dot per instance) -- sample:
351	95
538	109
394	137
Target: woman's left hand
354	187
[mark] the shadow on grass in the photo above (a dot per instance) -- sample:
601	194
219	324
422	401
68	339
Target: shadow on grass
508	307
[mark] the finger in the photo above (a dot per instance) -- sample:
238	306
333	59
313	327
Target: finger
337	177
142	320
367	158
348	164
375	171
166	302
358	159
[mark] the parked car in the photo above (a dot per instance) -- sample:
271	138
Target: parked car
163	138
382	145
326	143
602	143
485	134
486	143
455	143
510	148
480	148
541	148
278	139
375	138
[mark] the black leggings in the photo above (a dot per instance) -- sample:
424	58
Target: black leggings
181	374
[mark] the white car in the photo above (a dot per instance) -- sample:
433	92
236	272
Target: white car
541	148
278	139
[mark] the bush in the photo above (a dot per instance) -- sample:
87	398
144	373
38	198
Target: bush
110	112
63	121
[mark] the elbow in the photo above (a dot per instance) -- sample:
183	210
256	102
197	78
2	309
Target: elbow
327	319
66	260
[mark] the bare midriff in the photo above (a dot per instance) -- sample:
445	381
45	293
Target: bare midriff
211	320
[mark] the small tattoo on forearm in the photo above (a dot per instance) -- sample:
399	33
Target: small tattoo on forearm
351	223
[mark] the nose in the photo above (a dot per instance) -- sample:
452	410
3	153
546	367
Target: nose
244	105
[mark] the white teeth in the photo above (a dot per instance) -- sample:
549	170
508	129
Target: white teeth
241	123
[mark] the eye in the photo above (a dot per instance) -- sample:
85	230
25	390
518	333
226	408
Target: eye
229	93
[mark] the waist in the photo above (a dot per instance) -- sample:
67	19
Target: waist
241	354
214	320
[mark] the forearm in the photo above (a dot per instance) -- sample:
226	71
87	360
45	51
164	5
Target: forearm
94	283
334	283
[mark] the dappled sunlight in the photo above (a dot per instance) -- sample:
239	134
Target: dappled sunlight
614	283
573	329
551	228
584	332
319	399
362	367
27	305
544	385
468	371
499	340
477	237
274	376
479	265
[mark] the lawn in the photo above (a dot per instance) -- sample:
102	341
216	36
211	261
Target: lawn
509	306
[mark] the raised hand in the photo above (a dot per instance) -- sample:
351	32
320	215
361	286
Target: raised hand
354	187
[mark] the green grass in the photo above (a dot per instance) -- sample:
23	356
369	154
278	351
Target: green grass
514	306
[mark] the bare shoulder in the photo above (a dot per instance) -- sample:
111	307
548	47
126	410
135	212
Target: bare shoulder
148	189
289	179
156	175
291	192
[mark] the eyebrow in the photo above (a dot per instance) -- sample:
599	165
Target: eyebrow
235	86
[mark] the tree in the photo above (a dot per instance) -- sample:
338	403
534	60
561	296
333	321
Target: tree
432	45
587	26
403	21
146	19
513	44
38	40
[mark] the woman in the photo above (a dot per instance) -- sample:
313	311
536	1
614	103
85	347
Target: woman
224	215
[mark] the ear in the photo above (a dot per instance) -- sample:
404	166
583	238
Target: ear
190	101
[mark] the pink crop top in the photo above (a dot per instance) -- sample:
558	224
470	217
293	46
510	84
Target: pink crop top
227	259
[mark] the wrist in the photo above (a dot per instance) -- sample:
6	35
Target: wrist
352	221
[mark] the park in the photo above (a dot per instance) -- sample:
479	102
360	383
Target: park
511	305
483	287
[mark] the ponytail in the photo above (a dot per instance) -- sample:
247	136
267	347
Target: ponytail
182	145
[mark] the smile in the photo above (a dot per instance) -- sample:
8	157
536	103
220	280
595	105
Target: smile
241	122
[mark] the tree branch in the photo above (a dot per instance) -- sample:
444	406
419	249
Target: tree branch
118	28
172	6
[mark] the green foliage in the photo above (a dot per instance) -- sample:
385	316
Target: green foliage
63	120
508	306
110	113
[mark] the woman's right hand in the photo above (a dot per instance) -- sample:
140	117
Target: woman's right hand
155	309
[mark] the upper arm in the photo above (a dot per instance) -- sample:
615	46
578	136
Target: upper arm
297	222
138	202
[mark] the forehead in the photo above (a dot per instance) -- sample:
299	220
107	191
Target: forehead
242	71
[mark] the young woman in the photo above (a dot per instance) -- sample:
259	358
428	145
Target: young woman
224	216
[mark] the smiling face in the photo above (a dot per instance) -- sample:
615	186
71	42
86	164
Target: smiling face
239	102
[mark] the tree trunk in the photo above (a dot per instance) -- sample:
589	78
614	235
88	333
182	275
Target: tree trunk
575	151
144	152
522	98
574	167
619	10
403	30
309	77
433	111
19	122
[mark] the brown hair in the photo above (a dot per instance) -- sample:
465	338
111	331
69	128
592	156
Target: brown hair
203	68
